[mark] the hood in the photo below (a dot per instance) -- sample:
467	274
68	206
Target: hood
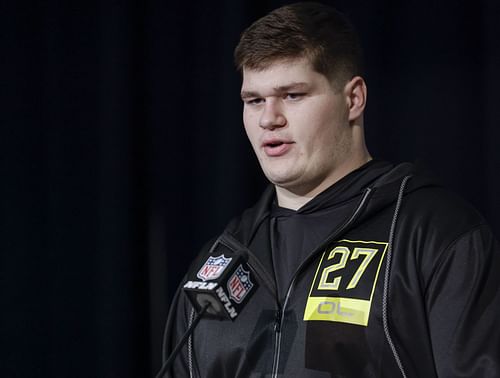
383	192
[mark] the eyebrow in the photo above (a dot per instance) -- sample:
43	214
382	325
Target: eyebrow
298	86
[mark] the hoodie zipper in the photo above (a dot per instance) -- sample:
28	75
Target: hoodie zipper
277	339
280	313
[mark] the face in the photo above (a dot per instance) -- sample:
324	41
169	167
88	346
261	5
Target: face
298	125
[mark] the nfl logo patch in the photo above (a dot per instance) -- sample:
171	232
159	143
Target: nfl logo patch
239	285
213	268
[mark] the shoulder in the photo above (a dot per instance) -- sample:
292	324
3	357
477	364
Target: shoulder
439	210
438	225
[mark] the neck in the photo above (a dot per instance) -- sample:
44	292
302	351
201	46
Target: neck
295	198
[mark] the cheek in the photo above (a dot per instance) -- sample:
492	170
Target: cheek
251	131
250	122
322	135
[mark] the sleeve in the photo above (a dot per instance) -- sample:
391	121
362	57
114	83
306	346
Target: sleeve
463	304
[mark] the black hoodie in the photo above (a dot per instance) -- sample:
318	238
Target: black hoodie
406	283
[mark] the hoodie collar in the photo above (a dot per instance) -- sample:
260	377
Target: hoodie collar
347	188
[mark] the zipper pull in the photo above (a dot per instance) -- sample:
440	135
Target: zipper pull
277	321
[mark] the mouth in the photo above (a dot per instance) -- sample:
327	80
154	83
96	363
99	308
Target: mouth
274	144
276	147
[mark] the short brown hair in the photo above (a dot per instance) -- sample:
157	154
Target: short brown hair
312	30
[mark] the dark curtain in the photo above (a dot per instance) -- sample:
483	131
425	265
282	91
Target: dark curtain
123	151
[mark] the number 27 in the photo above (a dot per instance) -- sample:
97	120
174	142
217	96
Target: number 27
344	252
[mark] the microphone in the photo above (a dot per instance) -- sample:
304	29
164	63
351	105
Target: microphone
218	289
224	281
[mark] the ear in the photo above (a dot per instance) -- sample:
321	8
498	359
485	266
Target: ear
355	92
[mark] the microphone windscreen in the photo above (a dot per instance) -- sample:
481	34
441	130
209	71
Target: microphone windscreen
224	280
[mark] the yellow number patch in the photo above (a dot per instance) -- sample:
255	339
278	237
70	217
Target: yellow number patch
345	281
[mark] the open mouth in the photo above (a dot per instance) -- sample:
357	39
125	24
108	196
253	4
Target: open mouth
274	144
276	148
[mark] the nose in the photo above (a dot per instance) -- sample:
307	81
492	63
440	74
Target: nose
272	116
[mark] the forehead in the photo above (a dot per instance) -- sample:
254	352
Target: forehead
282	73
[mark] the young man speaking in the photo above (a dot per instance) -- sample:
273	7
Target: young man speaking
347	266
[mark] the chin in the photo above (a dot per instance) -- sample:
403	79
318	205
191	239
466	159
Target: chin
285	182
280	175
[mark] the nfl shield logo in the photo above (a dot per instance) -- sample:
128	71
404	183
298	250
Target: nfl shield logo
239	285
213	268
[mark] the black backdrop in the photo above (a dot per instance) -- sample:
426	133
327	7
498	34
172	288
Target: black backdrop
123	151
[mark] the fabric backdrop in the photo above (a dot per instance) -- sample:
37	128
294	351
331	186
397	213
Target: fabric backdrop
123	151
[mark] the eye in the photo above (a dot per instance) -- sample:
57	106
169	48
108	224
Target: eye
295	96
253	101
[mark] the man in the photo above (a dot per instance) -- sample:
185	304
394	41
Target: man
361	268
